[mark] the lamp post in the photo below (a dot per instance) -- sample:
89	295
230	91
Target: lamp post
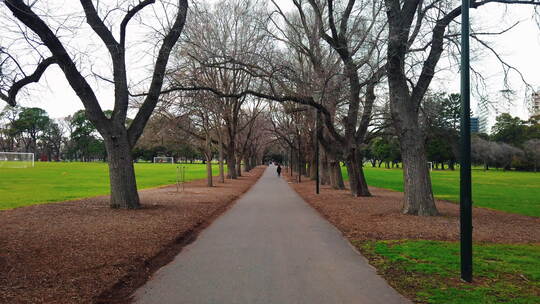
465	204
291	160
294	112
317	95
317	133
299	155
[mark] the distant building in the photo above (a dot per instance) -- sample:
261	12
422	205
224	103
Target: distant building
483	116
492	106
535	107
475	125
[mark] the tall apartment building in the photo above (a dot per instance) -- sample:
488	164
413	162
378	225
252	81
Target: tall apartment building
535	106
483	116
475	125
491	107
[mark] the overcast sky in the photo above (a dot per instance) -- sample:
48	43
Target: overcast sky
520	47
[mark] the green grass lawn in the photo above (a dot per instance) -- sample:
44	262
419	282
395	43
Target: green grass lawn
53	182
515	192
427	271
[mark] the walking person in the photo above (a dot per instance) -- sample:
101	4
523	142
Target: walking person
279	170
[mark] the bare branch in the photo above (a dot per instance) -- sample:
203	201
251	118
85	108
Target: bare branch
99	27
132	12
79	84
137	126
34	77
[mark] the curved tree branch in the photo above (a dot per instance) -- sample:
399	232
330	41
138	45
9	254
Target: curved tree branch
130	14
24	13
137	126
34	77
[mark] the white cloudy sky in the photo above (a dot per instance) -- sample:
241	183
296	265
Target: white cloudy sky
520	47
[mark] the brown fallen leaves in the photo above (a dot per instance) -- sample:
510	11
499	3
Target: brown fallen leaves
379	218
83	252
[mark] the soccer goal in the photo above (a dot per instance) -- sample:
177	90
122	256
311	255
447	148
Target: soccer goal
430	166
16	160
163	160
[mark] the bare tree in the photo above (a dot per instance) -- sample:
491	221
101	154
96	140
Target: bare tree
532	149
230	30
417	27
119	138
317	75
354	31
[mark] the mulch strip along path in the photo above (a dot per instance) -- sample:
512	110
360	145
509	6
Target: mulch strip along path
84	252
379	218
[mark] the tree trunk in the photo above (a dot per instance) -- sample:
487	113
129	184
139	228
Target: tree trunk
418	196
336	176
209	174
313	168
247	164
221	167
308	168
239	166
357	180
325	169
334	170
122	174
231	163
208	155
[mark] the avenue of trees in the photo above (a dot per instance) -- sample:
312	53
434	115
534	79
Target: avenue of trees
251	78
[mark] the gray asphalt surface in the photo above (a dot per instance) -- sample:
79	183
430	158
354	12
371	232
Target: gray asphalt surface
270	247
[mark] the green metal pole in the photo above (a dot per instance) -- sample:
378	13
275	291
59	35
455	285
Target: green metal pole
299	159
317	182
291	161
465	206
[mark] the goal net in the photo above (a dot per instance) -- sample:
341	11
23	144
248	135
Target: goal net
163	160
16	160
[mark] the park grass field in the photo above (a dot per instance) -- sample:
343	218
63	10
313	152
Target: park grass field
510	191
428	271
54	182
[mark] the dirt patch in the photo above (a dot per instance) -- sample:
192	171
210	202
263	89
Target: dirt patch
84	252
379	218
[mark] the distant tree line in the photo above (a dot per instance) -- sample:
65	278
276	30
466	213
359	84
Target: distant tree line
31	130
514	144
73	138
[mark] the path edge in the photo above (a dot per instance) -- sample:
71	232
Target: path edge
123	290
405	297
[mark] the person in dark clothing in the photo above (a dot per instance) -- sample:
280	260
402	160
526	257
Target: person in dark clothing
278	170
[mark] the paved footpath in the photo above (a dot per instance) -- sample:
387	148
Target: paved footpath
270	247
